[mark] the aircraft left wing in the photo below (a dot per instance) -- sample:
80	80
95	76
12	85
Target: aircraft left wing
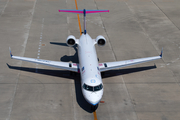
119	64
62	65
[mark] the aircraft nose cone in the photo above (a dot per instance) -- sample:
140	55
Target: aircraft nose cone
94	98
94	102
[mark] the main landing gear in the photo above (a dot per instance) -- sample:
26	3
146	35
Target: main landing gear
94	107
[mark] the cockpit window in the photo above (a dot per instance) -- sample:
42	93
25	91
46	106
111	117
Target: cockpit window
89	88
97	88
93	88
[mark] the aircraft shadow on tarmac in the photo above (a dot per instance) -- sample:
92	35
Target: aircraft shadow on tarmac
118	72
76	76
63	74
65	58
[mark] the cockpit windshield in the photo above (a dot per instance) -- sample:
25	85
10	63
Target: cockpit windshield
89	88
97	88
92	88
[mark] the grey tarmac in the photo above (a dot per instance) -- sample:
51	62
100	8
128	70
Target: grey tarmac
133	29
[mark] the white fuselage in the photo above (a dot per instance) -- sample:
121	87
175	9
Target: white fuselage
89	69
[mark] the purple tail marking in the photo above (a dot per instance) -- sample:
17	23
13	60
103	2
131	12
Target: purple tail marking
81	11
72	11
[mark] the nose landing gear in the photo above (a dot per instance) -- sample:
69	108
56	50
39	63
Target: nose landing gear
94	107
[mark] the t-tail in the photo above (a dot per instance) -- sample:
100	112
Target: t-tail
84	12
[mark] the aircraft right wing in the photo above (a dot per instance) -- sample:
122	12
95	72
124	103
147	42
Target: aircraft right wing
62	65
119	64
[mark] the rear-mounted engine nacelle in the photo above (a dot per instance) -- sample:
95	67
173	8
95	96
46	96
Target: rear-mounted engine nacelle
71	41
101	41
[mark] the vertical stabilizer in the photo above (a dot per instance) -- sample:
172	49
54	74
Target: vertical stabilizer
84	12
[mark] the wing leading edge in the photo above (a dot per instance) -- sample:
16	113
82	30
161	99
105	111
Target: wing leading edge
119	64
62	65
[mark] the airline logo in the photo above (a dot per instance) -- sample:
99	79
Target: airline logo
83	71
93	81
82	68
98	68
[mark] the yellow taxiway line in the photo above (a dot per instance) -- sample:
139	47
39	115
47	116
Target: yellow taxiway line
78	18
95	116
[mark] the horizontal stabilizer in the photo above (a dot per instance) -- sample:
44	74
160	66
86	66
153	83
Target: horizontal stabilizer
82	11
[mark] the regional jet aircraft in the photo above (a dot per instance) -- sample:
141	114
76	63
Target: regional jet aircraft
88	66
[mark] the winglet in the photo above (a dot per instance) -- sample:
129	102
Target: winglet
10	52
161	52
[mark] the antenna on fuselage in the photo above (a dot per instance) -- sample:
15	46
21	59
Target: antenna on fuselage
84	12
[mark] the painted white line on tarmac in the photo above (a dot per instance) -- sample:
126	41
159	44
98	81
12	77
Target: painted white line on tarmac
40	44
